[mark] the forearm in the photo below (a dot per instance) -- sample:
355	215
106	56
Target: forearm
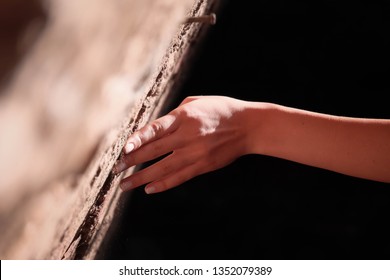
352	146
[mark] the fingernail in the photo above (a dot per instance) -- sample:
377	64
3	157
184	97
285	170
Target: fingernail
129	147
125	185
119	167
150	190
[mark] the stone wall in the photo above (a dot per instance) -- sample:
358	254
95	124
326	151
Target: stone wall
92	72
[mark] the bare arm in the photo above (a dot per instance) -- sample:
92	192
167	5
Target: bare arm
354	146
207	133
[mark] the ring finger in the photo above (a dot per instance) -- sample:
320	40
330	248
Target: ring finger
168	165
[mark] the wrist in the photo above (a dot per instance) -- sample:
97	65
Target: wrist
257	120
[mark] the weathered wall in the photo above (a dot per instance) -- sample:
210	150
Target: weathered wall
20	23
72	96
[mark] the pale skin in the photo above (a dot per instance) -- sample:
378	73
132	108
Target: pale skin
206	133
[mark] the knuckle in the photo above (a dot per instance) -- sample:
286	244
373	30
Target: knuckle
156	128
166	168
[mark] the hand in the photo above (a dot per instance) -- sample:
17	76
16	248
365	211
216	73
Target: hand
201	135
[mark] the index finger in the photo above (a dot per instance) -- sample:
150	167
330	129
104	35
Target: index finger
151	132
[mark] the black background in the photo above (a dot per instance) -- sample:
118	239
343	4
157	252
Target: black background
326	56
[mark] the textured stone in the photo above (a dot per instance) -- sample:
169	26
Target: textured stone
98	71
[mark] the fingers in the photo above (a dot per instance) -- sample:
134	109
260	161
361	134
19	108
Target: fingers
172	164
173	180
148	152
151	132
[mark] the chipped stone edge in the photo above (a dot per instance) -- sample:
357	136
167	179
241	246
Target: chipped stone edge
84	241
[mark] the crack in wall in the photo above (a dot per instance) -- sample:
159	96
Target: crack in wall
86	231
81	242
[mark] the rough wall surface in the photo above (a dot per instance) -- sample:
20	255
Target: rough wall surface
96	73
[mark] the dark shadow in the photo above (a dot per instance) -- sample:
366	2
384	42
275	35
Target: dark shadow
327	56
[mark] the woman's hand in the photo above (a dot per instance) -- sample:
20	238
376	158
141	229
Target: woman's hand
201	135
207	133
